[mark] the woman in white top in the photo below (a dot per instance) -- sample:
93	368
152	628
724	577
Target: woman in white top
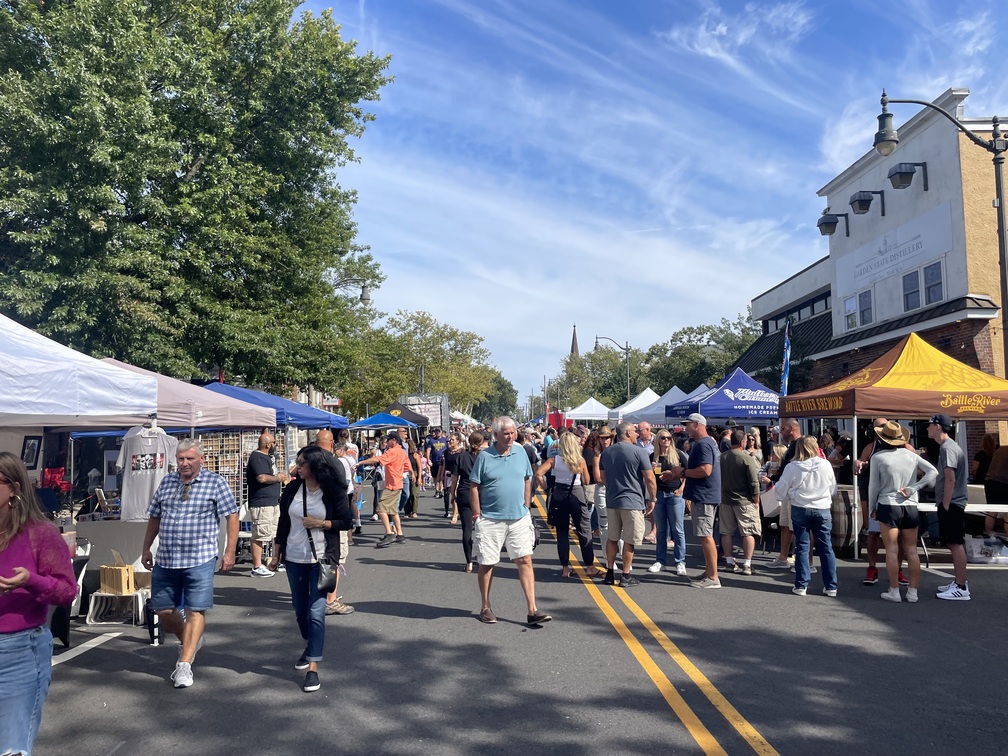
808	484
568	502
892	499
313	511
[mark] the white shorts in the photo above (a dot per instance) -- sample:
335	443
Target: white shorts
490	536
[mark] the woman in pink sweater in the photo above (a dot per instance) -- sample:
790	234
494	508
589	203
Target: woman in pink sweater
36	572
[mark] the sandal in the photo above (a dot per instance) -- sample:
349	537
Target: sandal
596	573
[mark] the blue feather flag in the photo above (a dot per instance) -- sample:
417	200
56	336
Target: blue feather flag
786	364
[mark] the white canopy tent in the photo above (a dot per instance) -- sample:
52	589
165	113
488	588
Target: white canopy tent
46	384
463	419
592	409
643	399
654	413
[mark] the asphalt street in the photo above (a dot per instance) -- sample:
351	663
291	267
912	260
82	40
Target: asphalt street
659	668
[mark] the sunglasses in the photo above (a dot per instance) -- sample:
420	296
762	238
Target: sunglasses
184	493
664	438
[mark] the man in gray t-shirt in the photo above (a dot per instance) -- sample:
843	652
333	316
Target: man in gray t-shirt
631	490
951	496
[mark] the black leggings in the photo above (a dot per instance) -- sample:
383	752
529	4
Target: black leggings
569	504
465	515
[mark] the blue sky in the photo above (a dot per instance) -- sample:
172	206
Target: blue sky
630	166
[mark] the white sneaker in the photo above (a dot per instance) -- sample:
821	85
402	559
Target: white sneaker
912	595
799	591
182	676
893	595
955	593
949	587
778	564
812	570
374	518
831	592
680	569
262	571
656	567
706	582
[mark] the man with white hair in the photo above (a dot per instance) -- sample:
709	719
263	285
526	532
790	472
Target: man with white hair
501	497
185	512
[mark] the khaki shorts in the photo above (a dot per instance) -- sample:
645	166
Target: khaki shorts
785	515
264	522
627	524
490	536
743	517
389	501
702	516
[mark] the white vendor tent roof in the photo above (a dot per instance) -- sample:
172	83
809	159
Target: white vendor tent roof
181	405
643	399
48	384
654	413
592	409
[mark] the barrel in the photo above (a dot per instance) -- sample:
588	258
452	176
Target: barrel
843	521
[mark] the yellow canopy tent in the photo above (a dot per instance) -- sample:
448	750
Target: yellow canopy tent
913	379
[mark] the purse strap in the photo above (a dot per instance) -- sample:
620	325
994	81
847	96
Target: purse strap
304	504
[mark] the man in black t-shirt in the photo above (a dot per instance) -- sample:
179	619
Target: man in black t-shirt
263	499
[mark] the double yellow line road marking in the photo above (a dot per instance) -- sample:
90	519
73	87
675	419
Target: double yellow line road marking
686	715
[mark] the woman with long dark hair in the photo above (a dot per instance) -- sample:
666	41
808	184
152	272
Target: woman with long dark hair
36	572
313	511
461	492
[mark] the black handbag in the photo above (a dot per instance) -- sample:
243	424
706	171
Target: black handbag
326	570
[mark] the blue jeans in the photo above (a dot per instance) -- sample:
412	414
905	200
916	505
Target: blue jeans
309	607
820	523
669	512
26	661
404	496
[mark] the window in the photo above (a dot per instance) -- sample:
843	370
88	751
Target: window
933	283
805	312
864	307
911	291
850	313
818	306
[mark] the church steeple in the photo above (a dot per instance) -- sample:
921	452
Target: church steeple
574	345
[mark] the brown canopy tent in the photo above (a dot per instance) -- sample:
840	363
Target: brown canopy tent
911	380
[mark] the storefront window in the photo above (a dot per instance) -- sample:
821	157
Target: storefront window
865	307
911	291
933	291
850	313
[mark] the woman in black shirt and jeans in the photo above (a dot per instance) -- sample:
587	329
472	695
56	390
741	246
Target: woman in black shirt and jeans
461	491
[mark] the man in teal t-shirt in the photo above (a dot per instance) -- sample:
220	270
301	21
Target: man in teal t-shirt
501	495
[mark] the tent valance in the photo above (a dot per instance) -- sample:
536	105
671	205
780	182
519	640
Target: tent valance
913	379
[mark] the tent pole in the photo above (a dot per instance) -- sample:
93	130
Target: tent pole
857	504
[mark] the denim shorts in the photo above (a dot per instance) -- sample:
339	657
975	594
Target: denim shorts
185	588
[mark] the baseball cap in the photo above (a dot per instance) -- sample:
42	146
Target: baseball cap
943	420
697	418
731	424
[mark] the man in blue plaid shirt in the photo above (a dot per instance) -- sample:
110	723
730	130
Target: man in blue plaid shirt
185	512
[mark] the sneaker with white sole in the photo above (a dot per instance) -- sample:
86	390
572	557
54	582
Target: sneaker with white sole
302	662
912	595
706	582
955	593
656	567
680	569
812	570
831	592
311	682
799	591
742	569
893	594
182	676
778	564
262	571
949	587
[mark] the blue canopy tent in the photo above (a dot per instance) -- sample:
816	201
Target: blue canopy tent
380	421
737	397
287	412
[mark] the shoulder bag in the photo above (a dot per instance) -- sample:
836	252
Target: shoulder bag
326	570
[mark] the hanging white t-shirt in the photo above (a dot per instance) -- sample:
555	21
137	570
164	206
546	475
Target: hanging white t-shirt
298	549
144	459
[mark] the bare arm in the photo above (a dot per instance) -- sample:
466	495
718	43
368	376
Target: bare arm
153	528
232	543
540	473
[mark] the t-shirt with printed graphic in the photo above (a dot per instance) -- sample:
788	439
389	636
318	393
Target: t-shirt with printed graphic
144	459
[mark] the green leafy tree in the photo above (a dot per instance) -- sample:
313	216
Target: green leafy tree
168	182
502	399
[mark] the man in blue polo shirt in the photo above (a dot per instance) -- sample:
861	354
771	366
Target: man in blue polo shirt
501	496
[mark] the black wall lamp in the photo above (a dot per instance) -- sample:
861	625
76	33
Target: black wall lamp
901	175
860	202
828	221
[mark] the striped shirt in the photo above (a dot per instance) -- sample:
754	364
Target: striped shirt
190	518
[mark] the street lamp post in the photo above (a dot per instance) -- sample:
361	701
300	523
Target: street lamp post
626	353
885	142
365	292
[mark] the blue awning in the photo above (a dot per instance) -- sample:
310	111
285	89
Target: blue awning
382	420
738	397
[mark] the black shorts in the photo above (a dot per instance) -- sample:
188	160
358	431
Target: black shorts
435	468
951	524
895	516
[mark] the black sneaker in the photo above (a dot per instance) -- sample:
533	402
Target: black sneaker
400	539
311	682
386	540
628	581
610	577
357	530
302	662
